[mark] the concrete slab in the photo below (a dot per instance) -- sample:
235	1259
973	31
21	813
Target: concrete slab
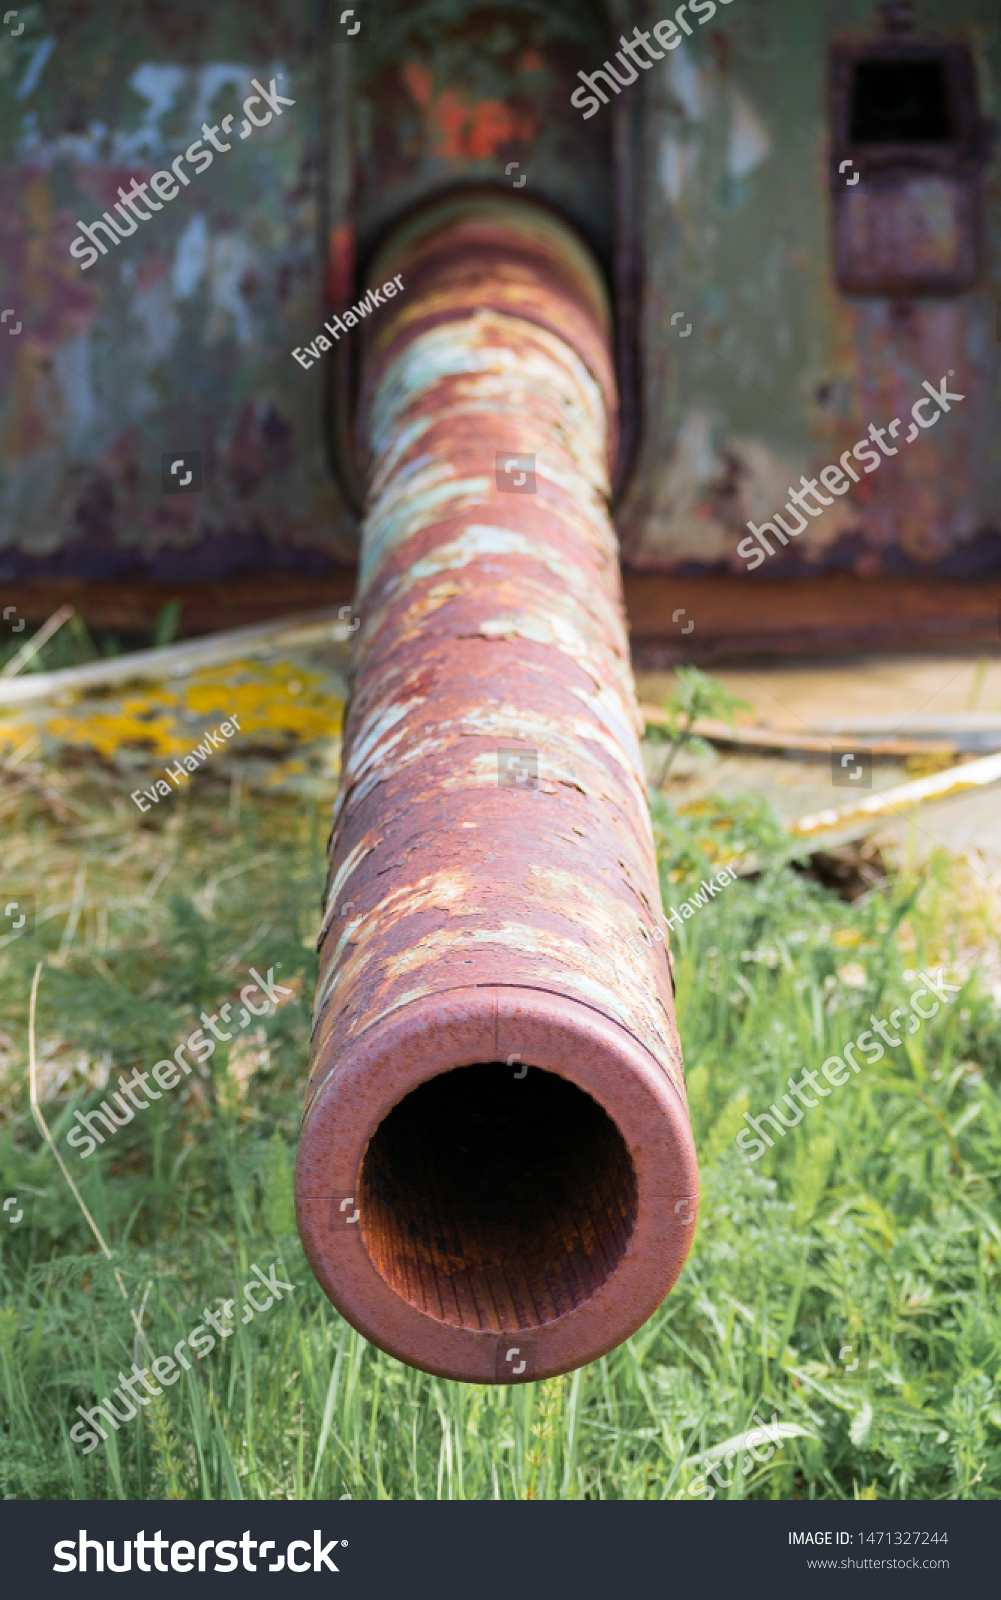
810	695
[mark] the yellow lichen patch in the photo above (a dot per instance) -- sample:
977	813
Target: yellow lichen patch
13	734
288	718
284	700
282	697
141	721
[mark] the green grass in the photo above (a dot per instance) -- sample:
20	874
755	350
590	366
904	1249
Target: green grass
70	646
74	644
875	1223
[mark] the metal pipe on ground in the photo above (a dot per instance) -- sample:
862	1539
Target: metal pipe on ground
496	1177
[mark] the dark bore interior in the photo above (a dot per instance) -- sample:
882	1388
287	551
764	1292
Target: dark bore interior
493	1202
901	102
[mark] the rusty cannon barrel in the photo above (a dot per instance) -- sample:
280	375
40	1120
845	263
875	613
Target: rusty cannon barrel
496	1178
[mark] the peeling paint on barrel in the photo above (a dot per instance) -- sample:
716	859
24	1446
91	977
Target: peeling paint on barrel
490	620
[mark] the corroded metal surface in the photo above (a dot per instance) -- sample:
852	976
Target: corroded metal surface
705	187
177	340
452	91
492	849
448	93
771	371
802	615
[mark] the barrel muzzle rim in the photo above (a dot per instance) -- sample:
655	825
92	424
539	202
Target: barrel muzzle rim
511	1027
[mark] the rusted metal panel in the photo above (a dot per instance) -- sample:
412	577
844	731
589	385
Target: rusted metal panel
492	851
704	188
836	612
176	341
131	607
770	371
908	233
907	159
179	340
448	94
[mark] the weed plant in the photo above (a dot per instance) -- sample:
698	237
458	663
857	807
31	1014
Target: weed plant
870	1233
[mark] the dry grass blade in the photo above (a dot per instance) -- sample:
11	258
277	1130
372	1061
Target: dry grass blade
323	627
32	646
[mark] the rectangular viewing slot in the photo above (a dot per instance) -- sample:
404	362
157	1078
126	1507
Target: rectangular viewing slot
901	102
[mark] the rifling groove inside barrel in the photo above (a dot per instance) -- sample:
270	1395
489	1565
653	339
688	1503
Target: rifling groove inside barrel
490	1209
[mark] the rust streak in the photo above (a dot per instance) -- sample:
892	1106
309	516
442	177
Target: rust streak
492	622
